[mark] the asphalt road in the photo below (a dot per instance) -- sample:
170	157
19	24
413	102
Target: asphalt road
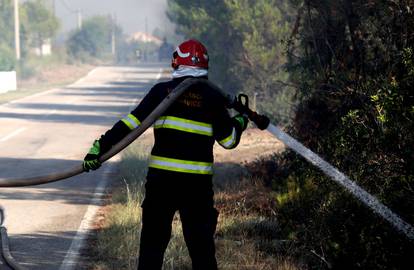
51	131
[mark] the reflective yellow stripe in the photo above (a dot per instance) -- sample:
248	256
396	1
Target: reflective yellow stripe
185	125
185	121
179	165
229	141
131	121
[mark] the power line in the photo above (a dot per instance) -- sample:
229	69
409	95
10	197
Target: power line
67	7
78	12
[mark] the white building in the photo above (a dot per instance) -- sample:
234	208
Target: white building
147	38
45	49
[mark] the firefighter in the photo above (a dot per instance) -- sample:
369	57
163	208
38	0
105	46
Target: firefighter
181	163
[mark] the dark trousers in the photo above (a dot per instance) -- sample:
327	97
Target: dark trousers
190	195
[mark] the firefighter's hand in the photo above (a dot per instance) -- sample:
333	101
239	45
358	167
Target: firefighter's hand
242	120
91	160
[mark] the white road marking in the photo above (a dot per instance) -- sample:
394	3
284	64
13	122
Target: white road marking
32	96
50	113
71	101
11	135
71	259
81	80
51	90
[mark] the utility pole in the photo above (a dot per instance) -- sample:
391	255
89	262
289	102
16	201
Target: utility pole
113	34
17	29
54	7
79	19
146	39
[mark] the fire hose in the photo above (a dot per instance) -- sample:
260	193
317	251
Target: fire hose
53	177
240	104
4	244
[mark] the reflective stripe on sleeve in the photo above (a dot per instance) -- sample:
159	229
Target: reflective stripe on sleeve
184	125
229	141
178	165
131	121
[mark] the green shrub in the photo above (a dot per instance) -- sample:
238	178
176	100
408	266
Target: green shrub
7	58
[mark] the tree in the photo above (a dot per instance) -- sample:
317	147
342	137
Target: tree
244	42
7	61
262	28
39	23
353	64
7	58
6	23
208	22
94	39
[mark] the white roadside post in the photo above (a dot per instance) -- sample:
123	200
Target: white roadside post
8	81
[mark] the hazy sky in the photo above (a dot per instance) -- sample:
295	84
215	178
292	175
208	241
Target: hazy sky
130	14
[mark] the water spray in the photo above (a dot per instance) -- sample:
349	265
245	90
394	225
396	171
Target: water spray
241	104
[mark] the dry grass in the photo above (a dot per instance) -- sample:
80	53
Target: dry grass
247	232
116	244
46	77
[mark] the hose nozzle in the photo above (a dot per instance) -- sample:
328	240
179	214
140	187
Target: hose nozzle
241	104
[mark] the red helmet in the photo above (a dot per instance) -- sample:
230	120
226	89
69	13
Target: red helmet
190	53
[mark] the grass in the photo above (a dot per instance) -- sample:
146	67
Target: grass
41	74
247	232
117	242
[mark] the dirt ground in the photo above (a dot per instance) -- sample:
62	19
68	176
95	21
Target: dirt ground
63	74
230	166
254	143
46	79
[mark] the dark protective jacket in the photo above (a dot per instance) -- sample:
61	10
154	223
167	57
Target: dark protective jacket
185	133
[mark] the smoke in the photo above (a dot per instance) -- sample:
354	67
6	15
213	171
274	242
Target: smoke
130	14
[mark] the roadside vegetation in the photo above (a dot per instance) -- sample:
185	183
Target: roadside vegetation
246	41
37	70
38	26
247	231
93	42
45	74
116	243
343	72
338	75
101	40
